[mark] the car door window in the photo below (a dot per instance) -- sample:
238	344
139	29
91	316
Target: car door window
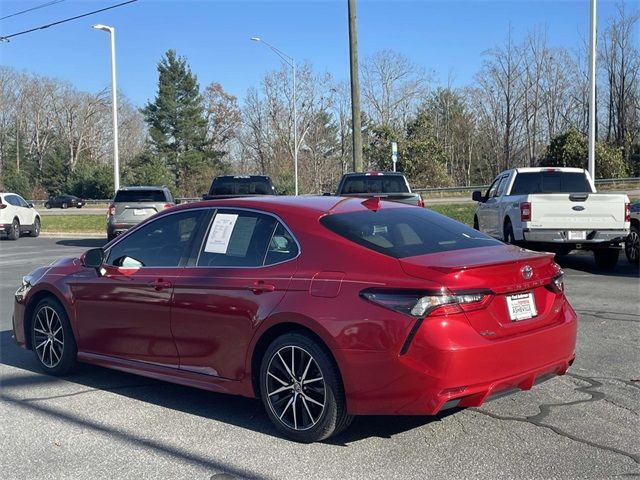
500	189
22	202
238	238
164	242
282	246
492	189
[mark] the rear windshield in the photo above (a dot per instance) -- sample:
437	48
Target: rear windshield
241	186
550	182
375	184
405	232
155	196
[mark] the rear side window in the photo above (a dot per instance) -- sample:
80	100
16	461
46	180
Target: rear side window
405	232
241	186
375	184
550	182
131	196
238	238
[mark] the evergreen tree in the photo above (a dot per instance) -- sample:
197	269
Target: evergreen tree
178	127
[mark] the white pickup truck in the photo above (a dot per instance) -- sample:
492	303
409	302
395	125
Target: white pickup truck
554	209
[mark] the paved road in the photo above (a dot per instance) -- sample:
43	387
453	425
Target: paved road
98	423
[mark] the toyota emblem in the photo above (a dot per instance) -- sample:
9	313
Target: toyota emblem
527	272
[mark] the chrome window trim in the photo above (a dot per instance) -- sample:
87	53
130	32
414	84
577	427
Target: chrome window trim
251	210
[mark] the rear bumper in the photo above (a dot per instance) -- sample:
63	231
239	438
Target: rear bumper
449	364
562	236
117	228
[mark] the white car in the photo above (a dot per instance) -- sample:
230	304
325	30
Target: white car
17	217
554	209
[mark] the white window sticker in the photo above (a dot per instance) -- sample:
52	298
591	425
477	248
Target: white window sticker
220	233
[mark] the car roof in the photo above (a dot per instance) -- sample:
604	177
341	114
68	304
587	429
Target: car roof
142	187
240	176
288	204
373	174
548	169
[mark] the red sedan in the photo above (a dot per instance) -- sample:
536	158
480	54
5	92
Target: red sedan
323	307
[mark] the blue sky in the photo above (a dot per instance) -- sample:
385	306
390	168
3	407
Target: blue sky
442	36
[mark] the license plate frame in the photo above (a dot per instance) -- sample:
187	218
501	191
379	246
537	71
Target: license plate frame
576	235
521	306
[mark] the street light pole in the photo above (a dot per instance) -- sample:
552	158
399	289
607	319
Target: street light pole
114	101
292	63
592	92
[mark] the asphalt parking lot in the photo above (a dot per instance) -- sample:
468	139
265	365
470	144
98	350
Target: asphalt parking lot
98	423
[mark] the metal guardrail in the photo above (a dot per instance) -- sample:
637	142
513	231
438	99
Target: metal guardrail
635	181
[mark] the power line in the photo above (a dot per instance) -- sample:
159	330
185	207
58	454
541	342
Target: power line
32	9
7	37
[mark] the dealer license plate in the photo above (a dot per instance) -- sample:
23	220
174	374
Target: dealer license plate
138	211
521	306
577	235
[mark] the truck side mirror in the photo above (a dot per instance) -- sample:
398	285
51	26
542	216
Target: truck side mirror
476	196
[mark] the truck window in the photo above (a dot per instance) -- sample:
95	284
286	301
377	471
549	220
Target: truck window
375	184
550	182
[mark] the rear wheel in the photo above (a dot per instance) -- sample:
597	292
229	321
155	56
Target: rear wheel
14	233
52	338
35	231
606	258
47	205
632	246
508	233
301	389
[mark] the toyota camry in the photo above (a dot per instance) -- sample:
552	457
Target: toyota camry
322	307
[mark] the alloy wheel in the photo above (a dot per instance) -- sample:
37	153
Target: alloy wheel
632	246
296	388
48	337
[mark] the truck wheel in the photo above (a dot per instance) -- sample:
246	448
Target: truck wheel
476	224
632	246
508	233
606	258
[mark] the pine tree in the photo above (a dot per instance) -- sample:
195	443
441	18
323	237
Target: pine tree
177	125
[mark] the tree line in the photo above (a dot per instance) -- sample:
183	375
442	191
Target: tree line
527	106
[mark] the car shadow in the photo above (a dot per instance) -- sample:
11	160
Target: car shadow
83	242
584	262
239	411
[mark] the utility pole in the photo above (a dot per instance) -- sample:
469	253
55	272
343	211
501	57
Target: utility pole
355	89
592	92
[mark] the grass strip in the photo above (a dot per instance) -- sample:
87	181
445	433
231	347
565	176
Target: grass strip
73	223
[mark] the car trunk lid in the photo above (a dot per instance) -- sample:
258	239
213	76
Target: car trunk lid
504	270
577	211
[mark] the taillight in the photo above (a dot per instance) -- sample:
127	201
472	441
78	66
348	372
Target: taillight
111	211
420	303
557	282
3	205
627	212
167	205
420	202
525	212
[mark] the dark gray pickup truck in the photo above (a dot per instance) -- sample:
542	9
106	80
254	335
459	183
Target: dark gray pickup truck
229	186
387	185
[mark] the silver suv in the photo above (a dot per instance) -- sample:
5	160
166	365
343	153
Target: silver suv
132	205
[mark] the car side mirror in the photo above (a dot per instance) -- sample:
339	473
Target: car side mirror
31	205
93	258
476	196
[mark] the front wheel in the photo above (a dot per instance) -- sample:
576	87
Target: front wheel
64	205
301	389
52	338
476	224
605	258
632	246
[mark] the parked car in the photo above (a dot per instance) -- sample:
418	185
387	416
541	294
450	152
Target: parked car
554	209
64	201
132	205
230	186
390	185
632	243
410	314
17	217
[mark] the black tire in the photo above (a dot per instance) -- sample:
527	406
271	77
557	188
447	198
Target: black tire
563	251
606	258
78	206
320	403
52	339
35	230
507	233
47	205
632	246
14	233
476	224
110	236
64	205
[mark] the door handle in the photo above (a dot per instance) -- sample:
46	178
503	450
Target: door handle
160	284
261	287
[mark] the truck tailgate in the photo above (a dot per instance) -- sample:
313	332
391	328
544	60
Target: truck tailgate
583	211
